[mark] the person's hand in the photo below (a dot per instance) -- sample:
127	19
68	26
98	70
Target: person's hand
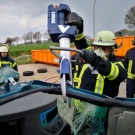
90	57
74	19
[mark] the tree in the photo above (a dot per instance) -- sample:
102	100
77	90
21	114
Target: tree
10	40
25	38
17	39
131	32
47	36
37	36
123	32
30	36
130	18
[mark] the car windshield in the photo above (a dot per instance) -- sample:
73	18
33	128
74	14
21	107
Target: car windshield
89	117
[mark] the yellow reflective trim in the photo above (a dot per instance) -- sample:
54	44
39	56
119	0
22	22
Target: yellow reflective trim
14	64
80	36
120	63
130	66
78	104
81	74
90	48
99	84
75	79
114	72
5	62
0	63
77	67
131	76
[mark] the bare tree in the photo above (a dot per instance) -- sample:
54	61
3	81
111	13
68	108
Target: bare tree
17	39
30	36
130	18
37	36
47	36
25	38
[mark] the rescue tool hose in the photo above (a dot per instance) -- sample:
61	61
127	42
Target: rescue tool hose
89	97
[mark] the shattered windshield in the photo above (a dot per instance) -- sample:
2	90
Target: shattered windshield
85	118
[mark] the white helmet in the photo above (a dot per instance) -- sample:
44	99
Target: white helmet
104	38
6	45
3	49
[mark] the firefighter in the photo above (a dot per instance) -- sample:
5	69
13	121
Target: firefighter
6	60
130	66
102	72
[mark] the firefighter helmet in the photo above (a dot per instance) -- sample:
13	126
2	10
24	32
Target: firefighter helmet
3	49
104	38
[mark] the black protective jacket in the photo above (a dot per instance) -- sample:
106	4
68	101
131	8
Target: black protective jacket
89	80
8	61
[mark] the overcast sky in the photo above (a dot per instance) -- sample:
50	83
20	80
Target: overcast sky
17	17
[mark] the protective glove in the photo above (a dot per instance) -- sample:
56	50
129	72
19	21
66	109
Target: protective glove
102	65
90	57
74	19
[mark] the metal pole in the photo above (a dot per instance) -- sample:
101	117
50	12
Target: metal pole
94	19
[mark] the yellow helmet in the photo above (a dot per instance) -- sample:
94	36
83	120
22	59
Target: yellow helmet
3	49
104	38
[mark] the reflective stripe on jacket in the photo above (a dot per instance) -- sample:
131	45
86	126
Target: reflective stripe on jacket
99	86
130	75
130	63
100	81
12	65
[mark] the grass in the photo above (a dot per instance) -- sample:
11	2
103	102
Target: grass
28	47
24	59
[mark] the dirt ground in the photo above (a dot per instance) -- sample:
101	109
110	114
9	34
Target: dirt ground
51	75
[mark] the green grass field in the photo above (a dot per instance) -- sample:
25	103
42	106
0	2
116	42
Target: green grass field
27	47
18	50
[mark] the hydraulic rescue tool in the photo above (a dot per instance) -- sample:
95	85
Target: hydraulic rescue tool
64	35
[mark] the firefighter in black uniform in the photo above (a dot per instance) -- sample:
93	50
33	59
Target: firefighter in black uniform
103	71
6	60
100	70
130	66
